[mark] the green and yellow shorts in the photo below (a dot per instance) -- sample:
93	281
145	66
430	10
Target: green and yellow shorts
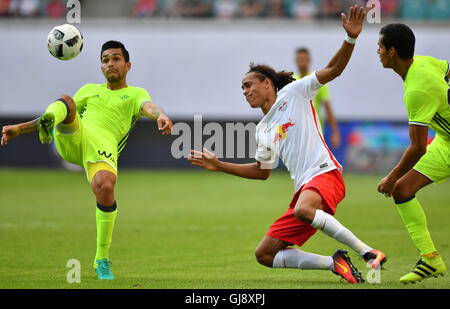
435	164
92	150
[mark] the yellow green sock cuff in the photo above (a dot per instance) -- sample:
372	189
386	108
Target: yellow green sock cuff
59	109
415	221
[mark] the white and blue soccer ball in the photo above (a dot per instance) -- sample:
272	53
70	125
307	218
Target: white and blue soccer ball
65	42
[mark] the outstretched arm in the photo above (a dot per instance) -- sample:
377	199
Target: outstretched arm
353	26
156	113
12	131
412	155
209	161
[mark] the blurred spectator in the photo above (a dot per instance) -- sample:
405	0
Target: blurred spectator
192	8
144	8
298	9
414	9
252	8
26	8
389	8
4	7
225	8
275	9
331	9
56	8
304	9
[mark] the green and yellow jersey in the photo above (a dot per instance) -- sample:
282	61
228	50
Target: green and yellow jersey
323	95
104	121
426	95
427	103
111	113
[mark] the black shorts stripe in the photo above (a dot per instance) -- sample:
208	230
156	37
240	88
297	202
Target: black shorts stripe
123	142
124	139
119	150
133	122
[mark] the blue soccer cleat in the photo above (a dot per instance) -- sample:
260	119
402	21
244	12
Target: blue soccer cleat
103	270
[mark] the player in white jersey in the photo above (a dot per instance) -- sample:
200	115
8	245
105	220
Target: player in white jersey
291	130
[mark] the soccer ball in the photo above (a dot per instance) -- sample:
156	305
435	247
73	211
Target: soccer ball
65	42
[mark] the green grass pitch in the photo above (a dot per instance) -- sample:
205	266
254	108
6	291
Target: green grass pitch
192	229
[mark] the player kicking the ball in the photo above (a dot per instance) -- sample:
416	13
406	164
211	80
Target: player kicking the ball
91	129
428	104
291	130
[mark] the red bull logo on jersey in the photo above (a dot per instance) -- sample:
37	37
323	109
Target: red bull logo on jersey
283	107
282	131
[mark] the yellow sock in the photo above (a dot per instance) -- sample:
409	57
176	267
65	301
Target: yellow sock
59	110
105	226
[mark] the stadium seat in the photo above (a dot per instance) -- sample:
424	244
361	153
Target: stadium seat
440	10
414	9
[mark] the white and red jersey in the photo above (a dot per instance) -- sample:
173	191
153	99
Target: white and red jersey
291	130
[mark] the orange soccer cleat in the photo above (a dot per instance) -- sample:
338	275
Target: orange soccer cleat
375	258
343	267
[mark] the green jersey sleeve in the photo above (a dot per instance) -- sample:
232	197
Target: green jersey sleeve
421	107
141	98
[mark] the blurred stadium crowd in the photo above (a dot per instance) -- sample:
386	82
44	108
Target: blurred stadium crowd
225	9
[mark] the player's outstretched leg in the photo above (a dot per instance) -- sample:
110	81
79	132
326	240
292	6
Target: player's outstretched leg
106	212
62	110
309	210
275	253
413	216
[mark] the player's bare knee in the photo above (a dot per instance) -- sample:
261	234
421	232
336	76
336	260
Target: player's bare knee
106	188
304	212
103	183
402	192
264	258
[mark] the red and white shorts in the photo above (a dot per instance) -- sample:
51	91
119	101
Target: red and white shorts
331	188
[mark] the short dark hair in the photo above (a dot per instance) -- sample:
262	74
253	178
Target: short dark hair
302	50
279	79
115	44
401	37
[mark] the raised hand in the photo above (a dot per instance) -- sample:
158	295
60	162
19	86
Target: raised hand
354	24
205	159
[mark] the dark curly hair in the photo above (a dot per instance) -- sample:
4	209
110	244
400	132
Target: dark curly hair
279	79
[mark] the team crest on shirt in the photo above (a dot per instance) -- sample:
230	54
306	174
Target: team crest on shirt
124	97
283	107
282	131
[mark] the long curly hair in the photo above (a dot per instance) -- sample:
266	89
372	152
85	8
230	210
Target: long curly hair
279	79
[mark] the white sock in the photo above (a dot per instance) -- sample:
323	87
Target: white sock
331	227
295	258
